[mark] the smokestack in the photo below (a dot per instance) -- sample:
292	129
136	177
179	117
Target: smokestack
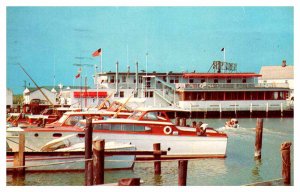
136	78
117	78
283	63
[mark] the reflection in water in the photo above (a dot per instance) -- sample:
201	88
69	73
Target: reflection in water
256	171
18	179
208	167
158	179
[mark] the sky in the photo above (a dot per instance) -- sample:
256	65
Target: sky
47	41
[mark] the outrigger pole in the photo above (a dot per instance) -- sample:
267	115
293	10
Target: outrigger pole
120	108
103	102
36	85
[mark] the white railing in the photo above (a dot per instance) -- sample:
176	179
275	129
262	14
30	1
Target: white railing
229	85
240	105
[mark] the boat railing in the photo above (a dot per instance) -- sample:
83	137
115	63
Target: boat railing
229	85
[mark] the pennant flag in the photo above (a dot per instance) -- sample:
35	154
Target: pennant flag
78	75
97	53
223	49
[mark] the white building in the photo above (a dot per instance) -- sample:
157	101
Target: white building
280	75
9	97
33	94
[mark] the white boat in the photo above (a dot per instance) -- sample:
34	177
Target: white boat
142	129
55	163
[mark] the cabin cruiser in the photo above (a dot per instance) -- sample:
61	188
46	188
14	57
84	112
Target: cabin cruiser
143	128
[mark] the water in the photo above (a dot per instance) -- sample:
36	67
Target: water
239	168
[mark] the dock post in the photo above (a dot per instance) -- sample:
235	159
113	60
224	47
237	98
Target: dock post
182	172
157	162
286	162
98	161
258	139
88	152
19	160
129	182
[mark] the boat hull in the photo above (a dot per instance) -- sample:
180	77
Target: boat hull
72	163
176	146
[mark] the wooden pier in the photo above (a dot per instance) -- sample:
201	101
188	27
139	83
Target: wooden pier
94	161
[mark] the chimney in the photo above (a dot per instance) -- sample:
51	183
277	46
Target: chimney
283	63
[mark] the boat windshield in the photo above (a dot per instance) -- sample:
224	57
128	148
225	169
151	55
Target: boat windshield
150	116
72	120
135	115
80	124
63	118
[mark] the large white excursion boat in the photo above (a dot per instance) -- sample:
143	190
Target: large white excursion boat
220	92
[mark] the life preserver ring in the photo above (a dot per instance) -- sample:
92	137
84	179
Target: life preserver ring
168	130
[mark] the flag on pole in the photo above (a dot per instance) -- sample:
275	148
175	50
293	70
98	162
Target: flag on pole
223	49
78	75
97	53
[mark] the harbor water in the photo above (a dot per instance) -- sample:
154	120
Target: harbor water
238	168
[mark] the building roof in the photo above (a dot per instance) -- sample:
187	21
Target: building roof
277	72
49	88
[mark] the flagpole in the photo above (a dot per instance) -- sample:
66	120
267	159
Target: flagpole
224	54
101	61
146	79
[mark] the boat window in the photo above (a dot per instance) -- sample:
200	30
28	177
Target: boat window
161	116
72	120
81	125
150	116
116	127
101	126
139	128
127	127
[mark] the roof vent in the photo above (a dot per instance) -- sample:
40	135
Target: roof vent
283	63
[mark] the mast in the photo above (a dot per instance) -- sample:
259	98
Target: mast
136	78
36	85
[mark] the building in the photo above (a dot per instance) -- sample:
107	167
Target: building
35	95
9	98
221	91
280	75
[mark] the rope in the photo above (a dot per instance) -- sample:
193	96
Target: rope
57	163
83	160
18	144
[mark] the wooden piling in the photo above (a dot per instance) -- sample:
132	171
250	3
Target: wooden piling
19	160
182	172
129	182
258	139
286	162
98	161
88	152
157	158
